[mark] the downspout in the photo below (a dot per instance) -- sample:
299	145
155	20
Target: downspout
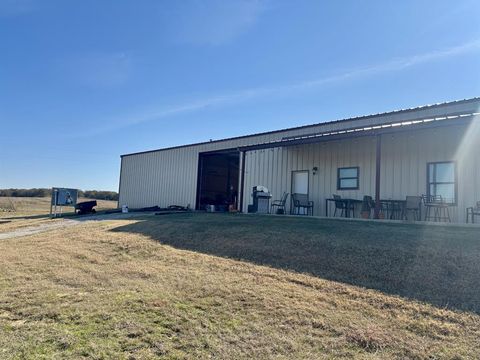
378	205
120	182
242	183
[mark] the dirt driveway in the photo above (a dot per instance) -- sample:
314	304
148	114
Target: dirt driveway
47	226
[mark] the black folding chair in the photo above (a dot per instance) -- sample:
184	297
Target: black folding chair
438	205
342	205
473	211
278	205
367	205
300	201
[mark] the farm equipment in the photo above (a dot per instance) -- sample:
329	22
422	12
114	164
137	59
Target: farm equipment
86	207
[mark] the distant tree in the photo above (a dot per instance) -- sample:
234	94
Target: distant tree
36	192
42	192
101	195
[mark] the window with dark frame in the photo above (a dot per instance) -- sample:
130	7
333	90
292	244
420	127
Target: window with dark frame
348	178
442	180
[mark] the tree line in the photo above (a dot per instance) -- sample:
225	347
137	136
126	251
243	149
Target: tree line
42	192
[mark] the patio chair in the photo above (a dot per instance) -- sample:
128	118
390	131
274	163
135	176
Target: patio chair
439	206
396	210
413	205
300	201
342	205
473	211
367	205
279	205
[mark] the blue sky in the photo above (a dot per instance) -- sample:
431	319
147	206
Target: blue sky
82	82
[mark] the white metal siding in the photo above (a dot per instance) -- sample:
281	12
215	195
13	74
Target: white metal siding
166	177
327	157
404	159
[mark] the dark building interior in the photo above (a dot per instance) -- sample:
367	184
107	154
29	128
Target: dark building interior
218	176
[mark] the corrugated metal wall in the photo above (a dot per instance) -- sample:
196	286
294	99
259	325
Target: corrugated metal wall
166	177
273	168
404	158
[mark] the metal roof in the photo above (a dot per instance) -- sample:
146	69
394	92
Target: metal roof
357	118
374	129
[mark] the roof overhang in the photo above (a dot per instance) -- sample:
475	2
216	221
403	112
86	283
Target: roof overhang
456	119
434	110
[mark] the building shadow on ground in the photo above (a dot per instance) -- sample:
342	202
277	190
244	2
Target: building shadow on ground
435	264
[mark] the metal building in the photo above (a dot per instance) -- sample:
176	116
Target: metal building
433	149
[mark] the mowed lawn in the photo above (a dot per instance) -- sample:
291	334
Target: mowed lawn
239	286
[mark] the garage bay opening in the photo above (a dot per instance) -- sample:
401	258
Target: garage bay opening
218	180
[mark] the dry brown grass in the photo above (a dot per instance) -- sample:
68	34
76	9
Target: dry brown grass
20	212
19	222
30	206
98	293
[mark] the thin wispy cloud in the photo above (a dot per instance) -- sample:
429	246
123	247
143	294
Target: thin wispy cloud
209	22
393	65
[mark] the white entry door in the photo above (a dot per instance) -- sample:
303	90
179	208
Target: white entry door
300	182
299	186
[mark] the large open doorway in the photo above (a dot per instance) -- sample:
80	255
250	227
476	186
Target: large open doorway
218	175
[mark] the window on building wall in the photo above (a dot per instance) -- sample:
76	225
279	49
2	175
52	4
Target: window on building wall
442	180
348	178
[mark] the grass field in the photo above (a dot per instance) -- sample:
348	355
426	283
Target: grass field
20	212
31	206
237	286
